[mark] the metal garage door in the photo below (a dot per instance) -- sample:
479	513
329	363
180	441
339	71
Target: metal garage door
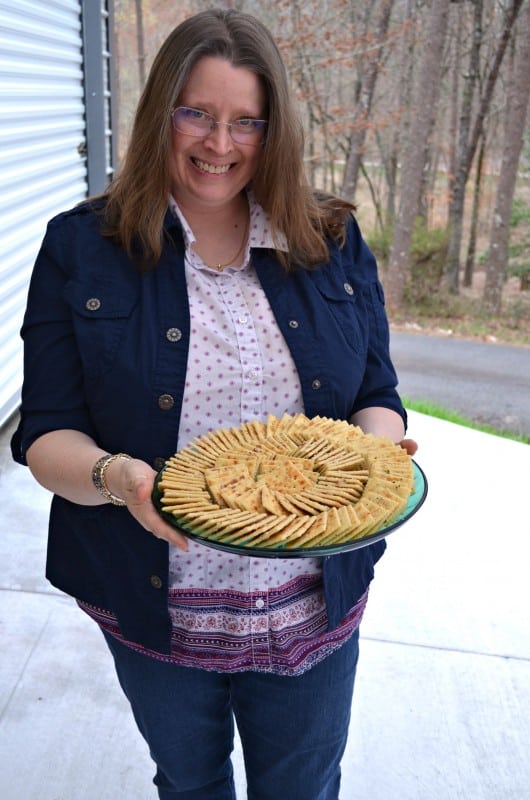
42	125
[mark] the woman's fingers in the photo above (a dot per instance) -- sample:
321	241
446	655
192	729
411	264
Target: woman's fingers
137	495
409	445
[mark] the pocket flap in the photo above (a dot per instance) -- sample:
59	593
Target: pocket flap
98	302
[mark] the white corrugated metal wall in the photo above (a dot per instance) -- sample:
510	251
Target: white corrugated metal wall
42	125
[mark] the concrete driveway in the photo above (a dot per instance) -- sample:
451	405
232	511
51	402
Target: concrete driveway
443	690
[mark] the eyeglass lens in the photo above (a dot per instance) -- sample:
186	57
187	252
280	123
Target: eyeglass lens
193	122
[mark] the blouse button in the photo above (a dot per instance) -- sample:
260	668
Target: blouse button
260	602
316	384
348	288
159	463
173	334
293	323
155	581
165	402
93	304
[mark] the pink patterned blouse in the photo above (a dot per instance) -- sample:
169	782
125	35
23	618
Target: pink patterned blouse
232	613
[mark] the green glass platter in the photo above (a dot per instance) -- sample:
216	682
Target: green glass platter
415	501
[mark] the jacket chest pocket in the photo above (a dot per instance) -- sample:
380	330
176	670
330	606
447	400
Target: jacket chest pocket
100	317
345	304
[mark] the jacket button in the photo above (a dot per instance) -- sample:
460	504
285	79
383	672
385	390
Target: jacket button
159	463
165	402
293	323
173	334
156	581
348	288
93	304
316	384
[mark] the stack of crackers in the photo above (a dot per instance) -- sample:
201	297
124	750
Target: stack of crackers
288	483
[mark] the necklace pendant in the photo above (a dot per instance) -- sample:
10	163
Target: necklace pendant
220	267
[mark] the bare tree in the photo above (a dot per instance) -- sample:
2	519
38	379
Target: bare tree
463	164
389	153
456	66
472	243
517	108
470	134
140	41
364	104
416	152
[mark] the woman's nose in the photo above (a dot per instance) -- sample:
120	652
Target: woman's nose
219	138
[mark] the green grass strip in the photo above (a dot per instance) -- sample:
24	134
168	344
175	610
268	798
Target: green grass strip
434	410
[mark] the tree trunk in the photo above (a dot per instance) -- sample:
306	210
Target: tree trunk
364	105
517	108
428	181
140	42
457	205
455	92
390	157
468	146
472	244
415	157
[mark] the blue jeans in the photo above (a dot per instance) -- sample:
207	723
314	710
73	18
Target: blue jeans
293	730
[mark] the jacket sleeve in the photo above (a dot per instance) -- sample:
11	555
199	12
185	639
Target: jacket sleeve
52	392
379	384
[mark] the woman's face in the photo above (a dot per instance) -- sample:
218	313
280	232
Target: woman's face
208	173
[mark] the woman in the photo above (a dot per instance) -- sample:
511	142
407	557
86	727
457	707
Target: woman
207	287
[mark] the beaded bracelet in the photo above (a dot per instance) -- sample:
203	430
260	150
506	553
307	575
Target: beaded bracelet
98	477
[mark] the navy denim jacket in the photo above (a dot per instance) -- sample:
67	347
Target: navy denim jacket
105	353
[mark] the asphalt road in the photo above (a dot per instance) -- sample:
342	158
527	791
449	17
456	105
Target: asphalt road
487	383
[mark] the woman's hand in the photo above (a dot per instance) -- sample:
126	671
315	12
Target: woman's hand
62	462
133	481
409	445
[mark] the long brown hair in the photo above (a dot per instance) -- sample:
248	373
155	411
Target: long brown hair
136	201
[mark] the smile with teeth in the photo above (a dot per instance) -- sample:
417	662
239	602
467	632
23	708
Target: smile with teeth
211	168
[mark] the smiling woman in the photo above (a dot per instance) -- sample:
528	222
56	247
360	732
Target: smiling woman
208	288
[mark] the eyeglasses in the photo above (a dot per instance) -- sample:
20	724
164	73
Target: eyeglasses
193	122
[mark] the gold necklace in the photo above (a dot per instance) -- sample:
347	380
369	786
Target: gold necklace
220	267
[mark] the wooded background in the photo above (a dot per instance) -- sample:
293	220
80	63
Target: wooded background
417	110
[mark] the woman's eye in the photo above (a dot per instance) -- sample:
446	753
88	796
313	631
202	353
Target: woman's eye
192	114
